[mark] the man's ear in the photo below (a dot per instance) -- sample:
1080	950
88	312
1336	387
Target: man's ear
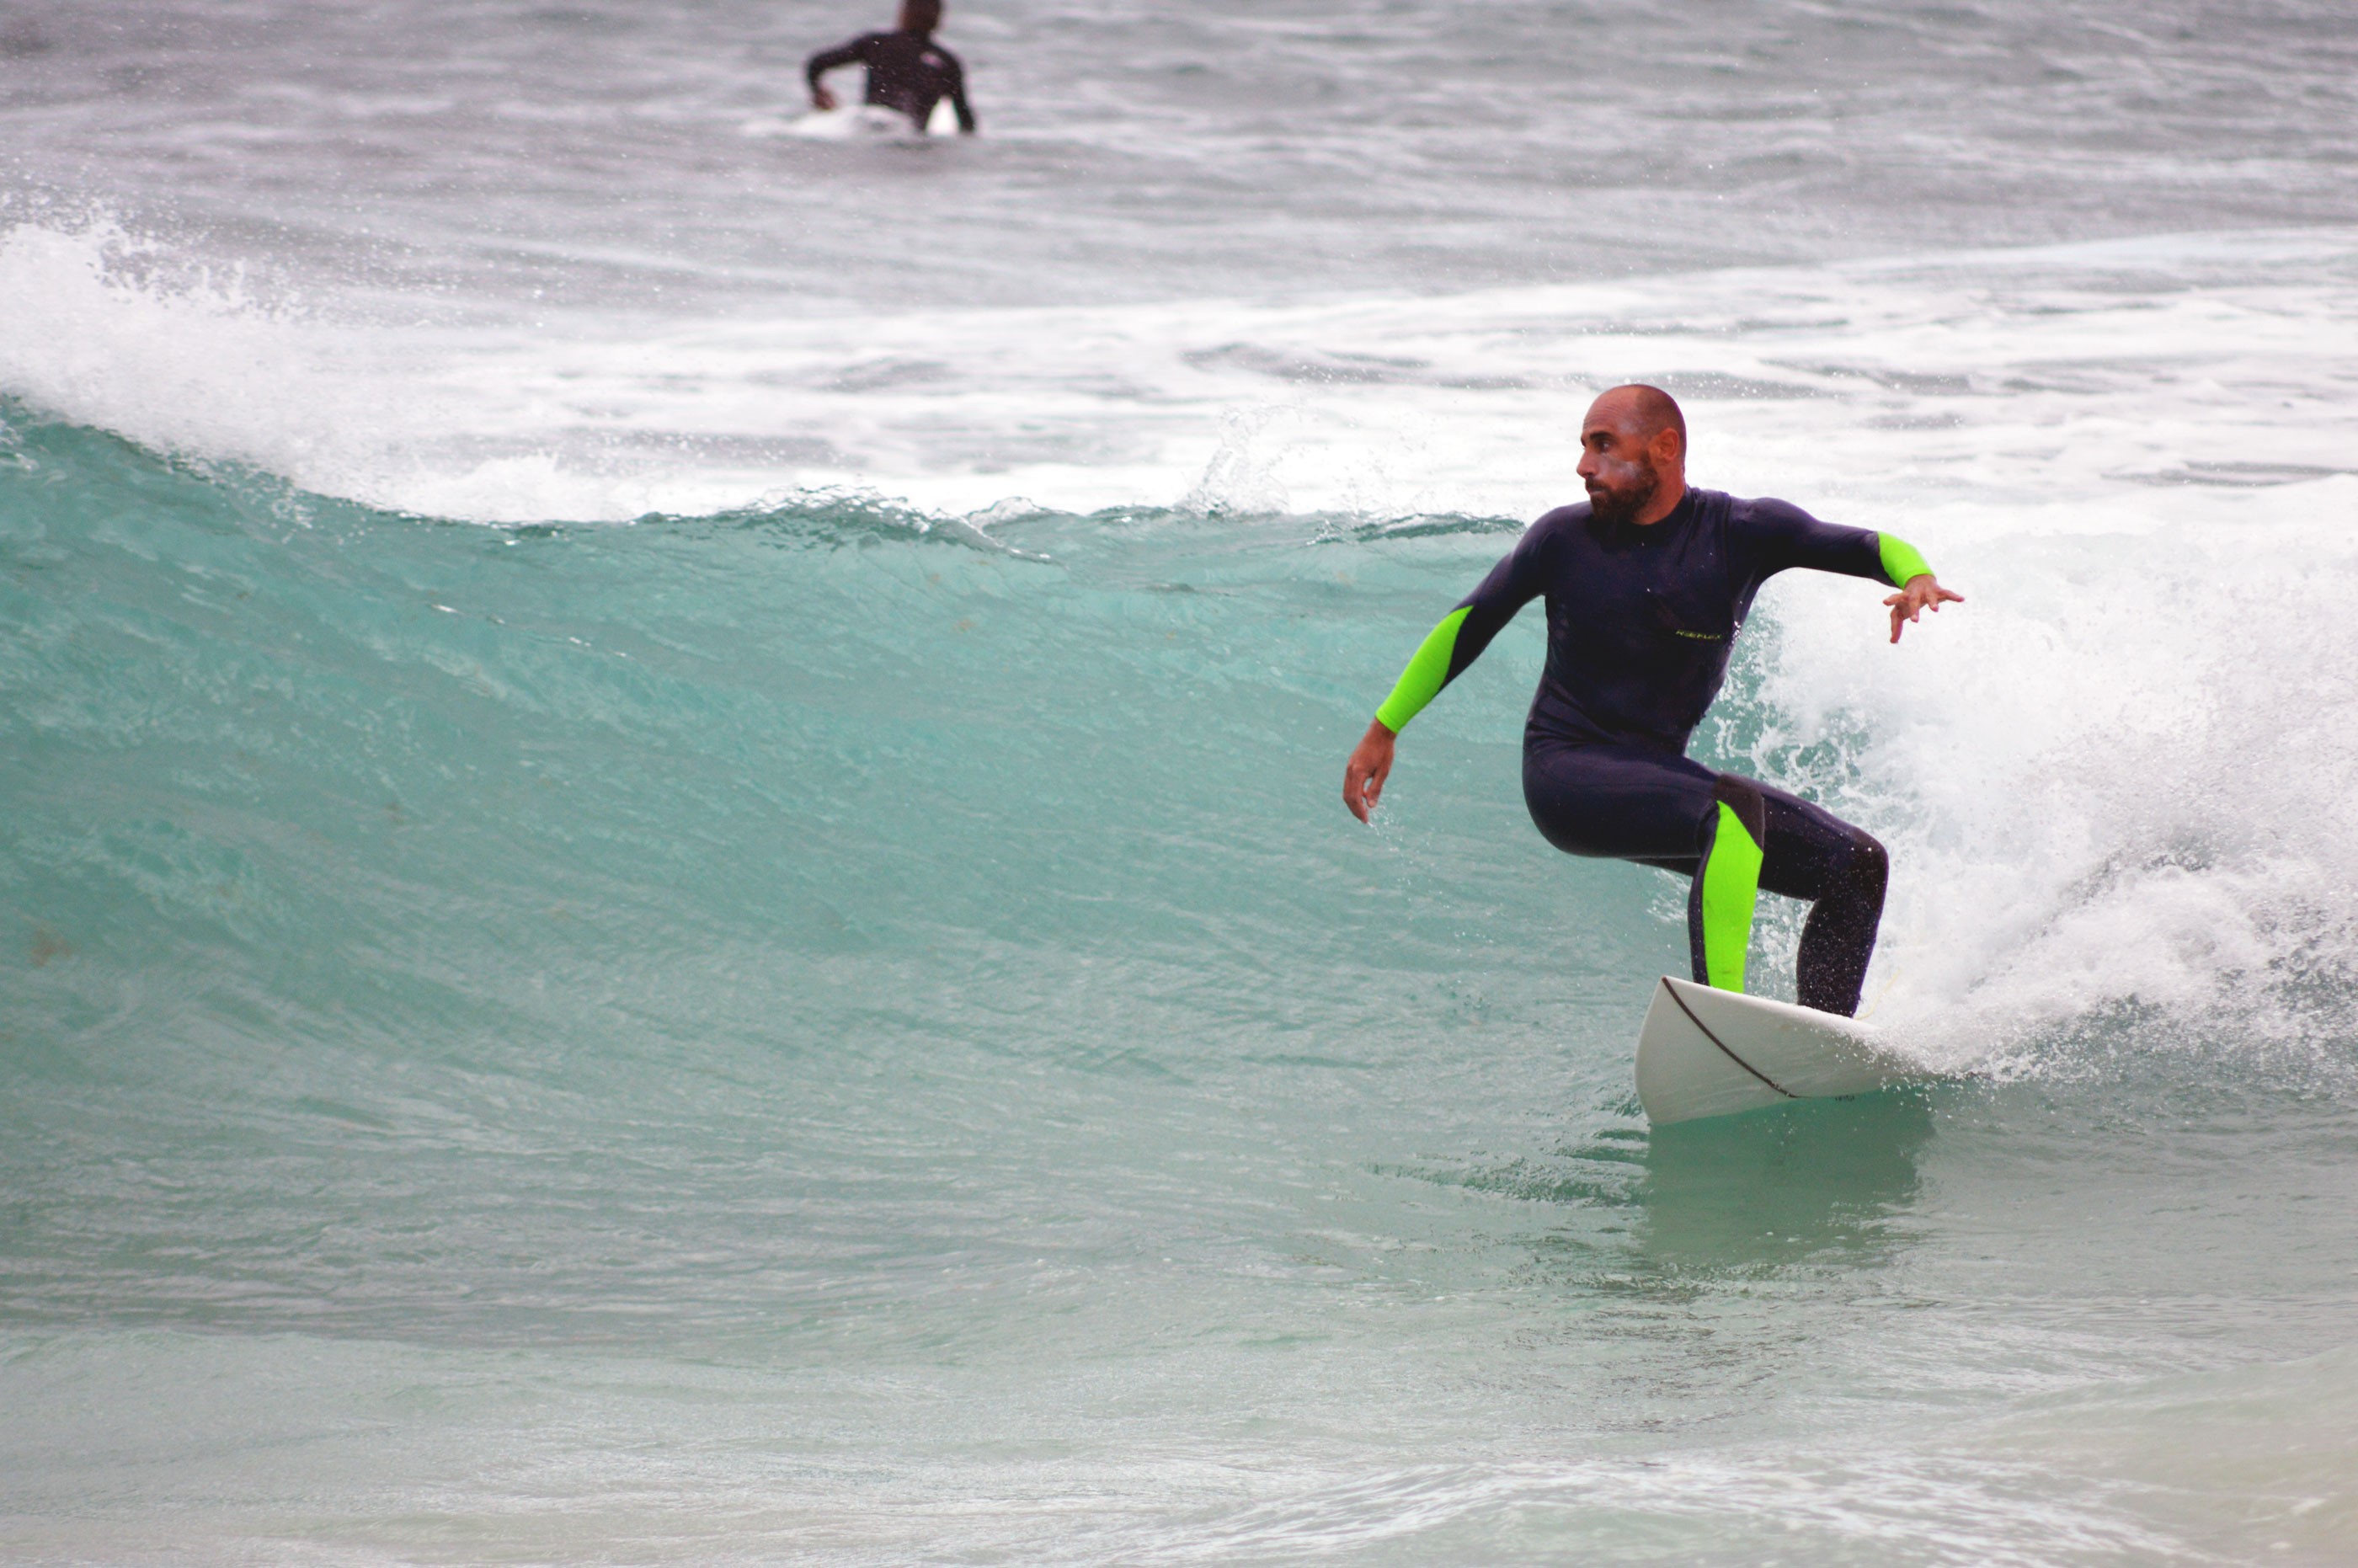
1670	447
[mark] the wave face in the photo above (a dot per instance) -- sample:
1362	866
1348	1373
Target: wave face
633	1015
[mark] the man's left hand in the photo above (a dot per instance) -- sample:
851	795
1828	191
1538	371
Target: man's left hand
1923	592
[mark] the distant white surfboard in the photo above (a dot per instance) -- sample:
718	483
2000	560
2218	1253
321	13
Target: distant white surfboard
861	123
1704	1051
858	122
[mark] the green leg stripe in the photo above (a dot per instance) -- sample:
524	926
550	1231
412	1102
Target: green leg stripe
1426	674
1731	887
1902	561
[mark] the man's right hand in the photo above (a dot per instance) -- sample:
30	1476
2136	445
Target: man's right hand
821	99
1371	764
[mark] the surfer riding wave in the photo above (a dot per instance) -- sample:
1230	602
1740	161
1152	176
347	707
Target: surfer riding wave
1647	585
908	72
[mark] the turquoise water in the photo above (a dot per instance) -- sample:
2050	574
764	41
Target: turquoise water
671	887
829	1032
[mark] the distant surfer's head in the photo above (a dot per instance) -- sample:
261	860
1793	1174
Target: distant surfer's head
1633	448
920	16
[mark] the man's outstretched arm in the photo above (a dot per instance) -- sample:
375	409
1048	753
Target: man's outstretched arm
1432	667
1444	655
1789	536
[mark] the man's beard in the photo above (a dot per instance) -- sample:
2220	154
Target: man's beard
1623	504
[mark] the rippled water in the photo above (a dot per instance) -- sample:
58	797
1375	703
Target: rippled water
670	887
601	153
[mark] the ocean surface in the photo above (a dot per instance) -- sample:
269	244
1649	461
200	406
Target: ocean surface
671	880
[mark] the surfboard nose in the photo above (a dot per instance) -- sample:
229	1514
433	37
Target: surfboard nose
1704	1052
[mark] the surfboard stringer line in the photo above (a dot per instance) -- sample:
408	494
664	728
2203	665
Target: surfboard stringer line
1724	1051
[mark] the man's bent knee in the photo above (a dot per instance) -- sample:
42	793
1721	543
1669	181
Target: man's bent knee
1870	862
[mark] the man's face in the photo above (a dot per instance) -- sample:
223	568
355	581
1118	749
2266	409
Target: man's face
1616	464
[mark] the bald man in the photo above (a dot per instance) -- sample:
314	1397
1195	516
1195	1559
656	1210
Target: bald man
1647	585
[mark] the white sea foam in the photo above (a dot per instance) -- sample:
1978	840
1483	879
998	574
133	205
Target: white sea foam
2112	778
2015	378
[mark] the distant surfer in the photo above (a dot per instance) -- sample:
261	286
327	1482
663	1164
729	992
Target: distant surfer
907	71
1647	584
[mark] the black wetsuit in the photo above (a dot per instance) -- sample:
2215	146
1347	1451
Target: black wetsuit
1640	622
906	71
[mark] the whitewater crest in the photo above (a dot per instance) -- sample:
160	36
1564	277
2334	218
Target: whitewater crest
1862	389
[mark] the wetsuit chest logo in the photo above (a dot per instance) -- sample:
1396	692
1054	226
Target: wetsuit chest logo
1658	609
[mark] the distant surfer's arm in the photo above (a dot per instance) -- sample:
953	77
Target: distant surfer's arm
1792	537
819	64
957	99
1441	658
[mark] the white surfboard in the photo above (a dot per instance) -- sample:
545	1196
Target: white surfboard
1713	1052
857	122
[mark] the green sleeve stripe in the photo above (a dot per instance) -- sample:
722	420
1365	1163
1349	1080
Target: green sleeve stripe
1426	674
1731	887
1902	561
